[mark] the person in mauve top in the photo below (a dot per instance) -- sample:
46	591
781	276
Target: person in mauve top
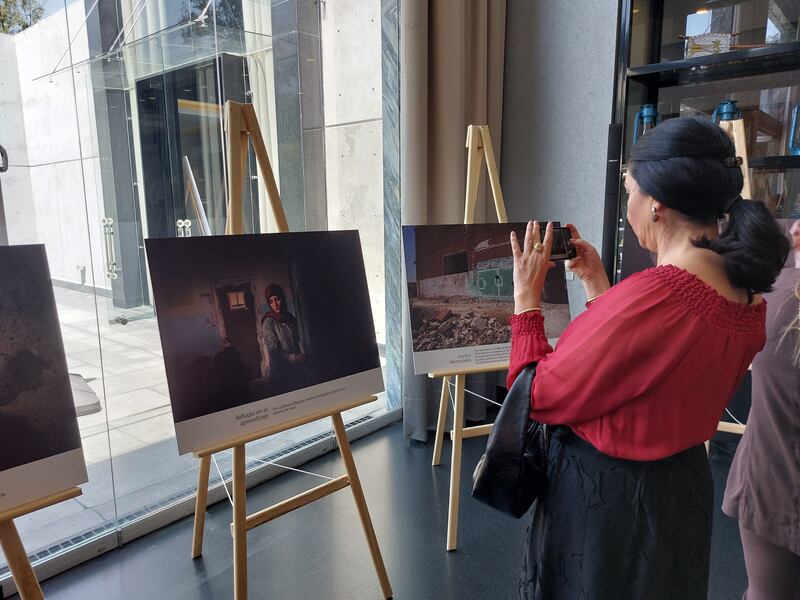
763	489
638	381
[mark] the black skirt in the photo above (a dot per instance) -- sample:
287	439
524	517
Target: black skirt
609	528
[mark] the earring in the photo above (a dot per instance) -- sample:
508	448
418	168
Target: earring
654	215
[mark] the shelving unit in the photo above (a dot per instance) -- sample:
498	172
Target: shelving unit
765	81
652	68
739	63
775	162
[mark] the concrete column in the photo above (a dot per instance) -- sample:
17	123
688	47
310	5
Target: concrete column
297	59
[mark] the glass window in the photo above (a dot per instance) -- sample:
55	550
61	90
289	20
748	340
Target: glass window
769	105
118	138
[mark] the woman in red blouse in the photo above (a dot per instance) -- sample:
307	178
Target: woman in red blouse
638	381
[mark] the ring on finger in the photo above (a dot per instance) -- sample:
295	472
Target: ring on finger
538	246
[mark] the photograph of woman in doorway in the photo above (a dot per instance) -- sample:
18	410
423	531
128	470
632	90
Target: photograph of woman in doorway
287	370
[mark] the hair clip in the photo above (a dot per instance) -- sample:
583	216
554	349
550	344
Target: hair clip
733	161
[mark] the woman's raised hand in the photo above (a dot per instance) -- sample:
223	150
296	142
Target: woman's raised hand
531	264
587	265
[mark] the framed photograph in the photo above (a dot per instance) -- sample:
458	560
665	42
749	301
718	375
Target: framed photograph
461	294
40	444
259	330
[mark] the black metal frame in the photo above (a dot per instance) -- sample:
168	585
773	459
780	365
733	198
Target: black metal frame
738	63
615	136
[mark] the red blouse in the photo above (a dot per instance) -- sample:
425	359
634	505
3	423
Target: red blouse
648	369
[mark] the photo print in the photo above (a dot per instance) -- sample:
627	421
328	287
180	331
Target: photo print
461	294
40	444
258	330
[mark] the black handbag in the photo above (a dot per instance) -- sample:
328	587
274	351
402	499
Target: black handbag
513	471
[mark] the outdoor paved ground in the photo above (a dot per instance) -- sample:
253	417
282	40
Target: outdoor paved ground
129	445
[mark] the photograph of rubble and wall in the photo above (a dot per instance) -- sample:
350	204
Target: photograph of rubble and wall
460	288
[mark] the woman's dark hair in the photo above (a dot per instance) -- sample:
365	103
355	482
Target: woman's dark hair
689	165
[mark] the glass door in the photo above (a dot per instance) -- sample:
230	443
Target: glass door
156	125
116	148
115	135
44	129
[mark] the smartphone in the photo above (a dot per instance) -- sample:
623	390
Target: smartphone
562	245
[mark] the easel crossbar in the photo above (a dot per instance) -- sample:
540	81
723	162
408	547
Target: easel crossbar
471	432
39	504
491	368
262	433
726	427
295	502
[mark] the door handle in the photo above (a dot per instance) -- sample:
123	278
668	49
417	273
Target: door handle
184	227
111	256
3	160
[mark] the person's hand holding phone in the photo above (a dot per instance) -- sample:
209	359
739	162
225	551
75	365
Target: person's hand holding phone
587	265
531	264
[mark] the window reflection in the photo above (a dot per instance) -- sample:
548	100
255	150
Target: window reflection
696	28
769	106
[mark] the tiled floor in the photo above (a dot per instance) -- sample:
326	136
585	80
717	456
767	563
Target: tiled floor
319	550
129	444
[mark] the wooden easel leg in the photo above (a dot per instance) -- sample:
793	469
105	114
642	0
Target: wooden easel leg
494	175
740	143
233	124
262	158
200	506
735	130
474	160
440	423
244	154
455	464
239	525
361	504
21	570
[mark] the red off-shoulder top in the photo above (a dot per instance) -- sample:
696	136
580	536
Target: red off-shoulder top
648	369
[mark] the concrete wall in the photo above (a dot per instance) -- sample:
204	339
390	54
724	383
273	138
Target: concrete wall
482	243
17	205
297	64
556	110
51	197
351	76
445	286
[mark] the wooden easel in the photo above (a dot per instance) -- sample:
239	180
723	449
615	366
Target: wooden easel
479	147
735	129
241	124
18	562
